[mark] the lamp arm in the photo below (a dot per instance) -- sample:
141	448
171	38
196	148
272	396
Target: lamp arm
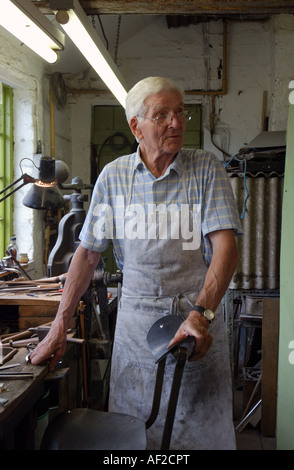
25	178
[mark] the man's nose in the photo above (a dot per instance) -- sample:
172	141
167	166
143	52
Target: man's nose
174	120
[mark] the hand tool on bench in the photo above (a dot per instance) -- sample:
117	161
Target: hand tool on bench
16	375
33	282
8	356
17	336
3	388
9	366
11	339
36	335
31	288
36	339
42	331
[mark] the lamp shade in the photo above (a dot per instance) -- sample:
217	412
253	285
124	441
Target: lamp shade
45	194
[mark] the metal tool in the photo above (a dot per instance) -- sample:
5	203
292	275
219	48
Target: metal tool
16	336
9	366
33	282
16	375
8	356
23	342
2	388
41	288
30	348
42	331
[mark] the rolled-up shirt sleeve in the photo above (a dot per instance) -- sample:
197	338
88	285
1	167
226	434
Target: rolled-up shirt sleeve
219	210
219	207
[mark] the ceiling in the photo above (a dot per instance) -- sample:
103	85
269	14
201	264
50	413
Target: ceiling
139	13
220	8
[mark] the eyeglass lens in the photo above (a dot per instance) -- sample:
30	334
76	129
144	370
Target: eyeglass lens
165	119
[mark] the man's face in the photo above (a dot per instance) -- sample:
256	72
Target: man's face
167	139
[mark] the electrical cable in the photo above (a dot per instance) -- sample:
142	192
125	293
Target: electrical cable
26	158
244	161
217	146
102	28
103	32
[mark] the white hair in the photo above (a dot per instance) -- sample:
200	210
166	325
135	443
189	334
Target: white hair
135	100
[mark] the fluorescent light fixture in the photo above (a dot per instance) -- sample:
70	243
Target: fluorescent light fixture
81	31
24	20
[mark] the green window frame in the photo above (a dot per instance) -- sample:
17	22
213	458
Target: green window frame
6	163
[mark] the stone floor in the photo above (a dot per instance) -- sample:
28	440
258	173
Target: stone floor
251	439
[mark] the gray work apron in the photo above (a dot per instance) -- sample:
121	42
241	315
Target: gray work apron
160	278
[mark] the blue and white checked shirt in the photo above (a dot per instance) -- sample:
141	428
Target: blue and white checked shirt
207	184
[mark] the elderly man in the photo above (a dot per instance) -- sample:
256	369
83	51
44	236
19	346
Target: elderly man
172	217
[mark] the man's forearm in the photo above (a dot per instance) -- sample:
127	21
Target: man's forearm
221	269
78	278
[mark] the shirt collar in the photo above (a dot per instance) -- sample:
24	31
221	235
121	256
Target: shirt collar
138	160
176	165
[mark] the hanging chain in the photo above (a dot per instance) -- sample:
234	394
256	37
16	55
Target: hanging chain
117	39
102	29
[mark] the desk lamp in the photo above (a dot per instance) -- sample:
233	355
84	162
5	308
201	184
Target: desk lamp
45	193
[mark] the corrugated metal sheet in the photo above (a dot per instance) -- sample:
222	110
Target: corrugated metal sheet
259	246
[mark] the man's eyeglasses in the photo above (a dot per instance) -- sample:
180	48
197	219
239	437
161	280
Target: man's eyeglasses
163	120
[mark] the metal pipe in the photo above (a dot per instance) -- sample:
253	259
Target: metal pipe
247	418
52	133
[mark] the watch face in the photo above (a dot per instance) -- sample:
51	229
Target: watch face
209	314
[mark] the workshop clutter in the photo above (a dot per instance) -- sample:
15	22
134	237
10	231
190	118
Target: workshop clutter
14	264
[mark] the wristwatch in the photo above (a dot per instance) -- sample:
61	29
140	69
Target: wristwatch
206	312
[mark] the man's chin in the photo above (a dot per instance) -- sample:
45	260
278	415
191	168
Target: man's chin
174	147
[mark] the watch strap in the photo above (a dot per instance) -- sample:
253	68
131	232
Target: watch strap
204	312
199	309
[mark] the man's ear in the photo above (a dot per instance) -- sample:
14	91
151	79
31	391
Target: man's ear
135	128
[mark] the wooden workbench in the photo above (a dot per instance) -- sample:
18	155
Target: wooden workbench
24	299
23	395
32	311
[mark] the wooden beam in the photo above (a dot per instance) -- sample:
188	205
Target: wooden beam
270	352
182	7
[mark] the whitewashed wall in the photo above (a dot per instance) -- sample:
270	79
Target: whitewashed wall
260	58
22	70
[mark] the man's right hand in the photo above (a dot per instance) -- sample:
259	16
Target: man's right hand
80	271
194	325
52	347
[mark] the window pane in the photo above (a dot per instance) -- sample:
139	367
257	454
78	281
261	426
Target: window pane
6	164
